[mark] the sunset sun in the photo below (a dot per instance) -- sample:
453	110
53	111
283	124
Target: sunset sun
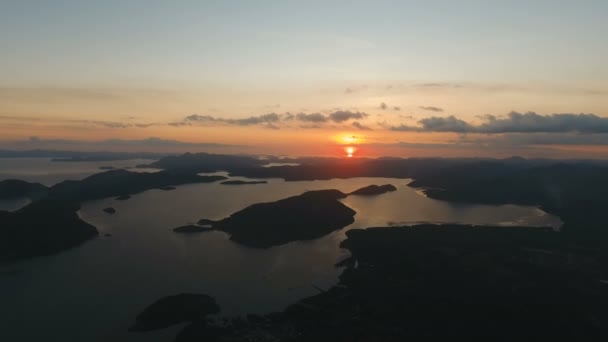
350	151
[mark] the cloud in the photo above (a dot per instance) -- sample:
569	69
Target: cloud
358	125
396	108
383	106
268	119
535	123
449	124
436	124
314	117
341	116
431	108
514	122
522	139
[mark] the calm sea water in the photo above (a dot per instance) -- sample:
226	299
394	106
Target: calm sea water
94	291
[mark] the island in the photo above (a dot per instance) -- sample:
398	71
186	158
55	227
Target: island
167	188
41	228
373	190
109	210
241	182
123	182
192	228
14	188
304	217
123	197
171	310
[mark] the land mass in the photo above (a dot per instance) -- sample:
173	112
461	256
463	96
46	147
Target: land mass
443	281
14	188
42	228
373	190
241	182
122	182
192	228
304	217
171	310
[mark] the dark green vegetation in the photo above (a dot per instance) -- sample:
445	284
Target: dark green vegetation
372	190
167	311
13	188
192	228
241	182
41	228
304	217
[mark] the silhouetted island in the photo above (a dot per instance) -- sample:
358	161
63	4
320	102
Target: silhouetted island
123	182
107	168
308	216
167	188
41	228
191	228
372	190
167	311
241	182
109	210
123	197
14	188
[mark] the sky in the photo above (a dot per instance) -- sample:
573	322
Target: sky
400	78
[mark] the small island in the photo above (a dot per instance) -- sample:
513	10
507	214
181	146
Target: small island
373	190
167	188
109	210
123	197
192	228
171	310
308	216
241	182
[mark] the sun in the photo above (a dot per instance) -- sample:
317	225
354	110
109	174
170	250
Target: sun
350	151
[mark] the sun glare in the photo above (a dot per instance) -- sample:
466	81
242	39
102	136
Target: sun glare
350	151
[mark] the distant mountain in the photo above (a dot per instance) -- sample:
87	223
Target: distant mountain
75	156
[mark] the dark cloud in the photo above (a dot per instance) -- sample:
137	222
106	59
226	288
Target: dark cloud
535	123
252	120
358	125
514	123
314	117
397	108
431	108
449	124
383	106
342	115
522	139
